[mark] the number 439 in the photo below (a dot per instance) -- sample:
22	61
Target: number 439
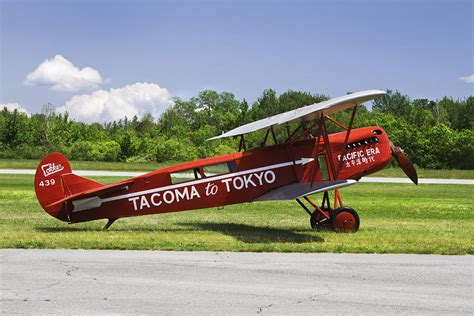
47	183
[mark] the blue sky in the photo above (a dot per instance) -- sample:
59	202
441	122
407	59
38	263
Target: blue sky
421	48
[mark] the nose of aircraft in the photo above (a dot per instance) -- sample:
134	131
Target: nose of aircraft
404	163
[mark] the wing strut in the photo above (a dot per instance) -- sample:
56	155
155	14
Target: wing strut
344	149
242	143
328	150
273	135
316	161
293	134
307	131
265	138
335	122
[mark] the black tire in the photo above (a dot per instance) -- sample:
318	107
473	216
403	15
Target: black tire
345	220
317	224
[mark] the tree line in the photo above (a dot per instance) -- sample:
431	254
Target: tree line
434	133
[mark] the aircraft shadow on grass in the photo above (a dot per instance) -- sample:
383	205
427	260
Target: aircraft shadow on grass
115	228
65	229
255	234
241	232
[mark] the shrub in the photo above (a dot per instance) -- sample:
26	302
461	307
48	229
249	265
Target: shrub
174	149
105	151
463	156
6	152
81	150
440	143
98	151
32	152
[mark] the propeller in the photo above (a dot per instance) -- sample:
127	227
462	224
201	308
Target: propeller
404	163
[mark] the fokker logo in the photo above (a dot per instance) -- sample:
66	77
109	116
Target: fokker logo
50	168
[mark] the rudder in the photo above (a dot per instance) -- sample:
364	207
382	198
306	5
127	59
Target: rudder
54	181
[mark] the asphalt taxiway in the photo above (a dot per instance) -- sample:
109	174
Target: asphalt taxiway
150	282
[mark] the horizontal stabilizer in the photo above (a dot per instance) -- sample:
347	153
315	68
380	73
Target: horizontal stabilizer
74	184
297	190
86	204
90	200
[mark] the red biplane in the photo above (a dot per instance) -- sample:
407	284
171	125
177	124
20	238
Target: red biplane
309	161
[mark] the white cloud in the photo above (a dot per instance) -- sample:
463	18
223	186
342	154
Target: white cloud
105	106
61	75
13	106
468	79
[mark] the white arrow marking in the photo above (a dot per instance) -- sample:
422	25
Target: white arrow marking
302	161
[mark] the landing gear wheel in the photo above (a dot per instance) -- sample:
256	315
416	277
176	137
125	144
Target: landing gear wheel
319	222
345	220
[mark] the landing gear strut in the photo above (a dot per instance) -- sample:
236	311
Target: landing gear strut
320	222
318	219
342	219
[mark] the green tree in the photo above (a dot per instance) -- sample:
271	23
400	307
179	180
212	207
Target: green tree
394	103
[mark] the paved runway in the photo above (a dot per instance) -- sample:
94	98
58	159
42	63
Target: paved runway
92	282
89	173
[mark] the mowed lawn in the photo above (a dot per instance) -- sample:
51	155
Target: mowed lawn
395	218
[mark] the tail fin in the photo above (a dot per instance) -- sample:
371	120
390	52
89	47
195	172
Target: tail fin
54	181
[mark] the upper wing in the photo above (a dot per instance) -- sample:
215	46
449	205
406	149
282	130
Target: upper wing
297	190
306	113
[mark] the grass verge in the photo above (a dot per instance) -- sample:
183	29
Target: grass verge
395	218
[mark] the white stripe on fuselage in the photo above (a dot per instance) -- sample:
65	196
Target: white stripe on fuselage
302	161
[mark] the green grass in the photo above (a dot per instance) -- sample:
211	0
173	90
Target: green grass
150	166
395	218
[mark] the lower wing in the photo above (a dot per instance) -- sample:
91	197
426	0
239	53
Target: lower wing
297	190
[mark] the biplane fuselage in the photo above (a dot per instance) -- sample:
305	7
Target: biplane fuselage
243	177
309	161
